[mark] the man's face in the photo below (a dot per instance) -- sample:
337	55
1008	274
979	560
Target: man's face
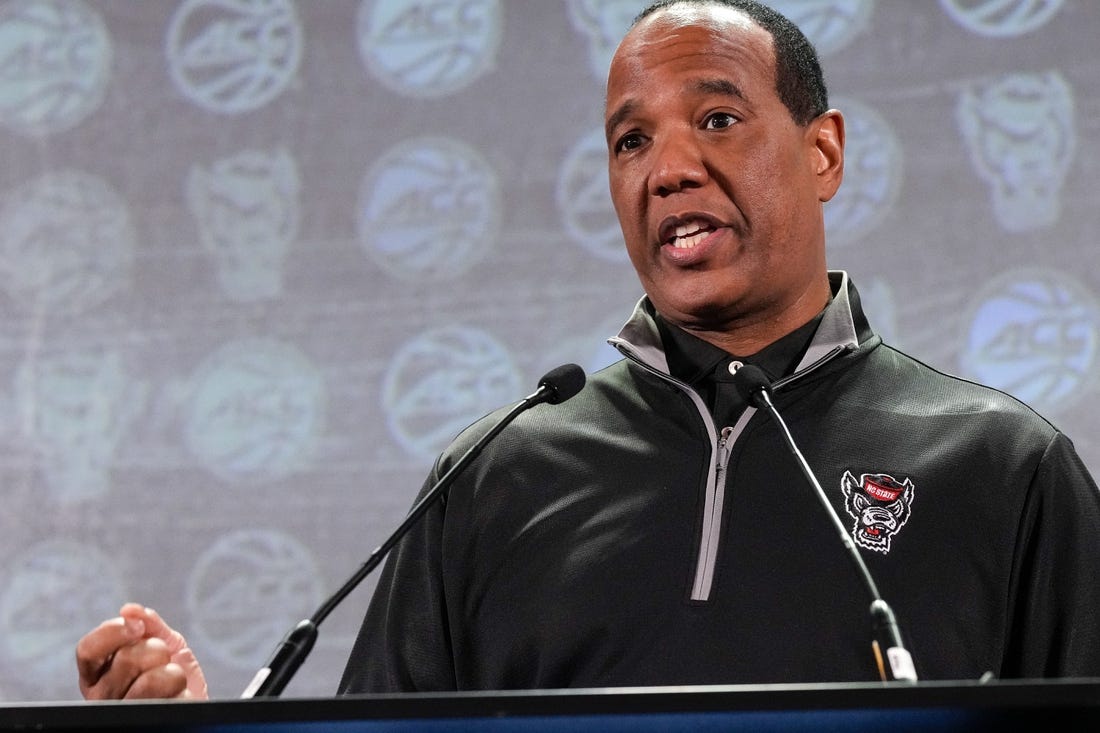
717	189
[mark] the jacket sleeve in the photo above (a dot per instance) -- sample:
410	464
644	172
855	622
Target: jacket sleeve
1055	604
403	644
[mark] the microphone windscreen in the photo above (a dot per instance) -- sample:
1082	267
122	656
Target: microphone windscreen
750	381
563	381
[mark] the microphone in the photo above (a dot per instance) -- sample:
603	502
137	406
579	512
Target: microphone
755	388
556	386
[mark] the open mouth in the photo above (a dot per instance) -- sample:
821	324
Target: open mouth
687	233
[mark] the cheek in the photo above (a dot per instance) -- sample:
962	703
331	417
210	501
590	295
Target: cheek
629	209
776	194
765	175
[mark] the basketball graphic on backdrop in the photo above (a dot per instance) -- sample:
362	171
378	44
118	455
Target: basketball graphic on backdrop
52	592
1034	334
431	49
67	242
246	589
429	209
56	61
1001	18
256	409
829	24
441	381
233	57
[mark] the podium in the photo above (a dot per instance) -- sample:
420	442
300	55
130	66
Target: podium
927	707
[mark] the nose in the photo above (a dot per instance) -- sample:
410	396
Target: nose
677	165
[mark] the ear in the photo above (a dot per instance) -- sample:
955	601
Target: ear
826	135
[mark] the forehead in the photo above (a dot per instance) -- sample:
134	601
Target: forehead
687	40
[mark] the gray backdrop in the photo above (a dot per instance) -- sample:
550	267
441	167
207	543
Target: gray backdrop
261	259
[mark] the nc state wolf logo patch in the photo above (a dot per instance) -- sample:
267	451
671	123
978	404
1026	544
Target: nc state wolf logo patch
880	504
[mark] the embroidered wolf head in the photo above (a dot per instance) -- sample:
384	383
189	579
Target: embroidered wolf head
880	504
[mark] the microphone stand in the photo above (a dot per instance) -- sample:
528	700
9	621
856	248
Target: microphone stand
556	386
883	620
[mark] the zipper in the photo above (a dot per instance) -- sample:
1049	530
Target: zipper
724	451
711	534
707	558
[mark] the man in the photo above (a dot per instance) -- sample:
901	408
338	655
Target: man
655	529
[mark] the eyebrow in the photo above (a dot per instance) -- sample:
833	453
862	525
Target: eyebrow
719	86
616	118
702	86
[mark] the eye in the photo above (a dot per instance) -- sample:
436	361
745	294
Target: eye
629	141
719	121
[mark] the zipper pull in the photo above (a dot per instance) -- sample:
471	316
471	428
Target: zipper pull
724	449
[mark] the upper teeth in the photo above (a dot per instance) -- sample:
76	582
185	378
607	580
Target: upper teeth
690	234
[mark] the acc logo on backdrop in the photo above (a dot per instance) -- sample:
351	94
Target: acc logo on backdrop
422	48
584	199
246	591
872	175
1033	333
66	243
56	61
829	24
429	209
52	593
247	210
1001	18
233	56
443	380
77	407
1021	135
603	23
256	407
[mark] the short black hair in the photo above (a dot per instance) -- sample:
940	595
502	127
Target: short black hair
799	81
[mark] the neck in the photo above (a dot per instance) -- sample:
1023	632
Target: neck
745	335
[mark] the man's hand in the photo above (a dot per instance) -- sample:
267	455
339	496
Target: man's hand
137	655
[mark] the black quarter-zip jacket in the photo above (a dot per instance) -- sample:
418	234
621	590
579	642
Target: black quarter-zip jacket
623	538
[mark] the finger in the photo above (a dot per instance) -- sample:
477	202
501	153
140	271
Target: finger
95	650
155	626
128	666
196	680
165	682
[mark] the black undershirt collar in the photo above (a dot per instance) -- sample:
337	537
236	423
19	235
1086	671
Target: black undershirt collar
706	368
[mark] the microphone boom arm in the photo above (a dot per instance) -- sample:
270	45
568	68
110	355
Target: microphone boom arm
900	662
821	495
556	386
